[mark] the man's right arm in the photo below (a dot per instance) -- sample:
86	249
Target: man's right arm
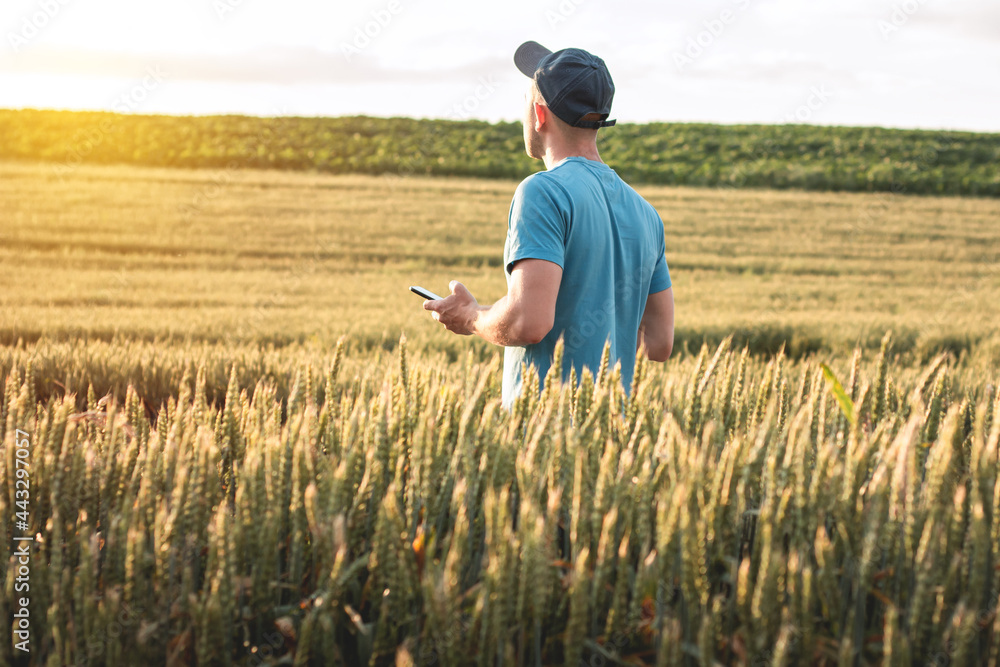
656	329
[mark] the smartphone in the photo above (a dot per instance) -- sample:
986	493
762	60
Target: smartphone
427	294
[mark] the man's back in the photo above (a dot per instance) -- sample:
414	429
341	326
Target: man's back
584	257
609	242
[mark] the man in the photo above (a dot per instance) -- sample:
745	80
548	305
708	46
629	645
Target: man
585	254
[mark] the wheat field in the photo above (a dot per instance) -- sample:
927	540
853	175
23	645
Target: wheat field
236	439
732	510
247	255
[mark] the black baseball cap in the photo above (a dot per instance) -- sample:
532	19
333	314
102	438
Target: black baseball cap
573	82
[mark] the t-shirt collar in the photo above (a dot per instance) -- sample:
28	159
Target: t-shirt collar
578	158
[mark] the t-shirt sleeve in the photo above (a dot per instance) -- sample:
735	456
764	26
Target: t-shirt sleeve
537	225
661	273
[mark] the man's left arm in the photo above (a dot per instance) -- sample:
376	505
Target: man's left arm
523	317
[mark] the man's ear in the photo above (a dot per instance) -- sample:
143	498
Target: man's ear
541	116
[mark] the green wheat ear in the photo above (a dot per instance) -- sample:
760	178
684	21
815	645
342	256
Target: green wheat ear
845	402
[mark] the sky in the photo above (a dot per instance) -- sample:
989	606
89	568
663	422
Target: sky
892	63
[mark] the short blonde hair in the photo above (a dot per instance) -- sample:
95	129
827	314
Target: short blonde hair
536	94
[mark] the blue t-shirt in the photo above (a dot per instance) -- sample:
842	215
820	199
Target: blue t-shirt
609	242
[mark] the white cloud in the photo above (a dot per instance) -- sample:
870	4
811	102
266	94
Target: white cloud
937	70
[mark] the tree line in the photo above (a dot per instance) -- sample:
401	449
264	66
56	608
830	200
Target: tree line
808	157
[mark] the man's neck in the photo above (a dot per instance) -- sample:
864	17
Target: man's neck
556	154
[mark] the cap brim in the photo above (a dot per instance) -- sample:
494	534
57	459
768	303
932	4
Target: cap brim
527	57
